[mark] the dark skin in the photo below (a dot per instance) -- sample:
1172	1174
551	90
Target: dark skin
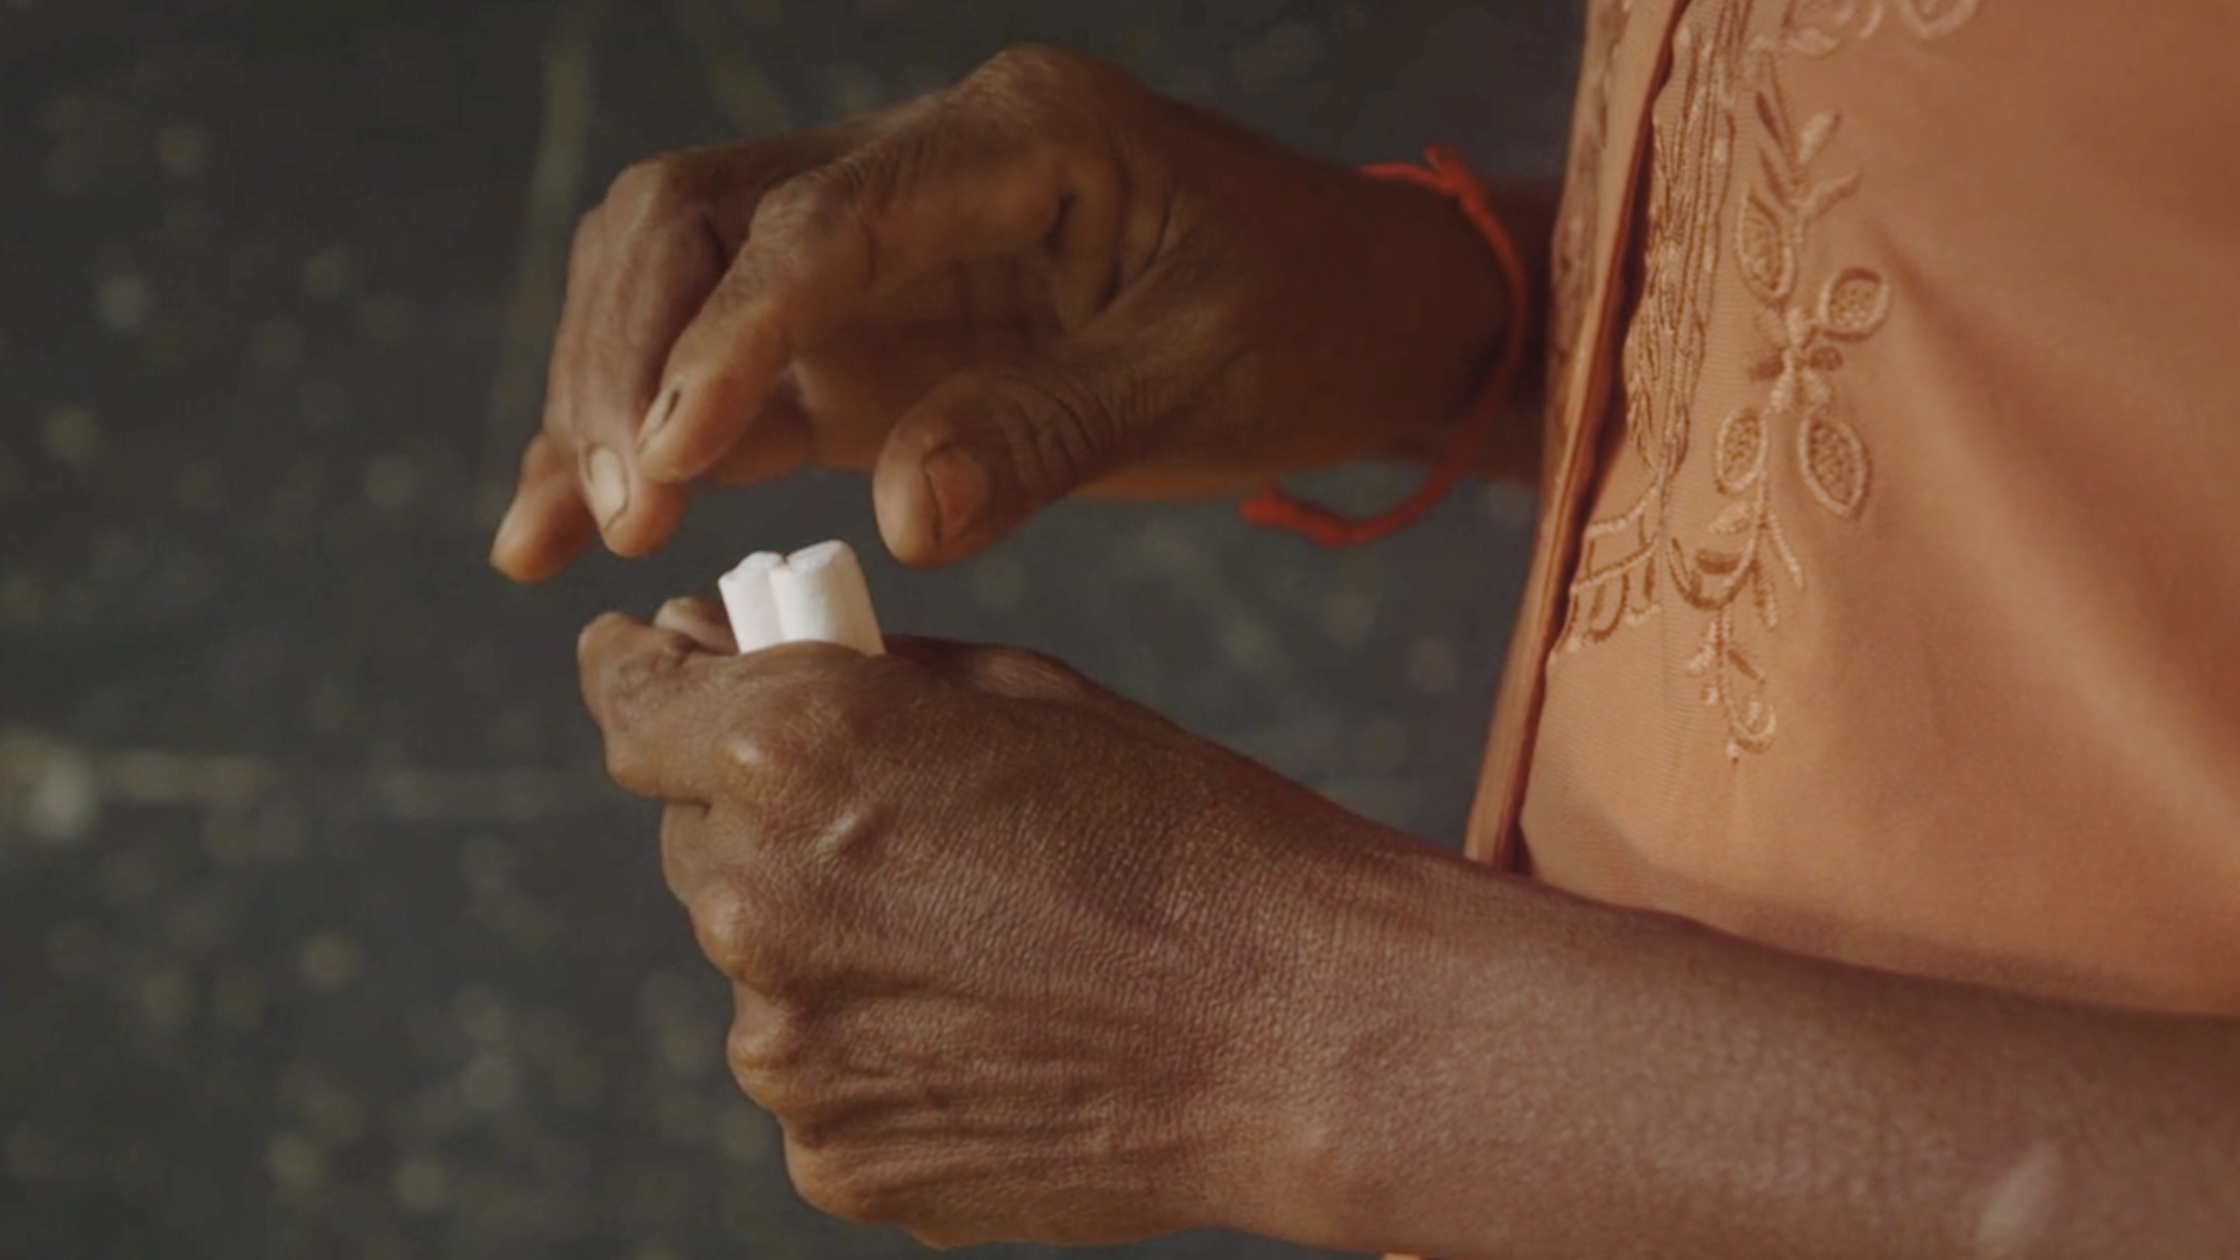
1017	959
1074	284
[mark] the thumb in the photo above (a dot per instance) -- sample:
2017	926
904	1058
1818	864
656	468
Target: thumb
983	452
987	449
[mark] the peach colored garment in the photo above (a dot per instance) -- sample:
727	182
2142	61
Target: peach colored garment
1887	600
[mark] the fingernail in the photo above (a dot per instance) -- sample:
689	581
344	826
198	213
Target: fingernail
690	619
664	410
959	486
607	484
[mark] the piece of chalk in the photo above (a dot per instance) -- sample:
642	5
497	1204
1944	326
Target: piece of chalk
751	603
821	597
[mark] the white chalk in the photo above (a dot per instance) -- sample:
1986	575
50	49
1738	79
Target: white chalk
751	603
821	596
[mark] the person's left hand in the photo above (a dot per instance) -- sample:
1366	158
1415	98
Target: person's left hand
1013	958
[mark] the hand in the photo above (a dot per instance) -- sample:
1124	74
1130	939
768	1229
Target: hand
1013	958
1043	280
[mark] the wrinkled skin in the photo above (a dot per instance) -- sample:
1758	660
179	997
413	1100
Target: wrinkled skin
1042	281
1013	958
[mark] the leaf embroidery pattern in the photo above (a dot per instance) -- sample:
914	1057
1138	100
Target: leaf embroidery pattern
1808	325
1819	27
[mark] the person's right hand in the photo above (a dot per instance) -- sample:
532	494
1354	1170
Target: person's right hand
1043	280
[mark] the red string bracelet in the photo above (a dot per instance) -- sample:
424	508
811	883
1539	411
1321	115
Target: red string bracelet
1277	510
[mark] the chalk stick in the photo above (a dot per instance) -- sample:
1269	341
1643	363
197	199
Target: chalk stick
751	603
821	596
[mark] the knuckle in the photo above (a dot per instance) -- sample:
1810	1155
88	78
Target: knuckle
766	929
729	924
620	678
630	680
763	756
839	1187
1060	429
1029	675
1037	72
628	765
766	1057
655	186
700	620
814	204
866	698
847	709
683	840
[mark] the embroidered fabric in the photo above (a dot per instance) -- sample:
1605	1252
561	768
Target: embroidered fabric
1572	256
1733	571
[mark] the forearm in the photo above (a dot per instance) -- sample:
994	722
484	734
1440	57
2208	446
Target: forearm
1505	1071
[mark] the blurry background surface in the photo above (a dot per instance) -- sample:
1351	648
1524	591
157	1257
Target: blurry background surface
321	933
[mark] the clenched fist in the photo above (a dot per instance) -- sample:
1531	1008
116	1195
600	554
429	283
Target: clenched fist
1013	958
1043	280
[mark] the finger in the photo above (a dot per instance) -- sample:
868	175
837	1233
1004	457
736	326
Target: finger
547	526
683	851
728	923
650	690
763	1048
984	452
701	620
640	265
661	256
967	180
735	923
683	724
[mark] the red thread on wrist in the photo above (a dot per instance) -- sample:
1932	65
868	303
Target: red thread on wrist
1275	509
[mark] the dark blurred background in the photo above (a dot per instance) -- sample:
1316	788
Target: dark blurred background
321	933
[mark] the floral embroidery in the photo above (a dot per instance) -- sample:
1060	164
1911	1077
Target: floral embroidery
1688	186
1807	324
1819	27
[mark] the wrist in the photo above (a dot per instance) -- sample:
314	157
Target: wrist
1435	325
1377	311
1329	1078
1472	324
